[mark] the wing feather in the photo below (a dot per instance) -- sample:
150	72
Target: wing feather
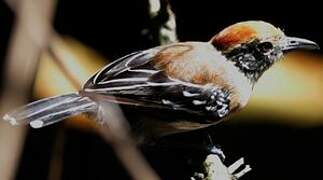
134	80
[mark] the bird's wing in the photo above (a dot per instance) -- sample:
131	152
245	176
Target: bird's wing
134	80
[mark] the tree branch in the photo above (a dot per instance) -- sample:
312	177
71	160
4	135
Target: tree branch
116	131
216	170
163	22
30	36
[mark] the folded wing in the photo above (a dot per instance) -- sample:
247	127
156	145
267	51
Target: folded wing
134	80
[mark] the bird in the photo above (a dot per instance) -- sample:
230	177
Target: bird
185	85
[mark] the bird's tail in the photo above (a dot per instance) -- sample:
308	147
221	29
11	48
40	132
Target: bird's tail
50	110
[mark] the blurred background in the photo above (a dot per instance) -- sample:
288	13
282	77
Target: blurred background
279	133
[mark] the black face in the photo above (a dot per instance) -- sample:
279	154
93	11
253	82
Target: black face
254	58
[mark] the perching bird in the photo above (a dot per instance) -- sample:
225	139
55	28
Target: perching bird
190	85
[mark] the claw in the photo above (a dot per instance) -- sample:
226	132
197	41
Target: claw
213	149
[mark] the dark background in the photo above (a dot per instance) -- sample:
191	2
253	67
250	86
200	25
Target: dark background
114	28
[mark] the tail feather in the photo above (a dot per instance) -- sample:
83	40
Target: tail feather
50	110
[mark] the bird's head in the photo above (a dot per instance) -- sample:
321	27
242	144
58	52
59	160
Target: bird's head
253	46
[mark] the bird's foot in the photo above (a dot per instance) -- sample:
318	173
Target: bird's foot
215	149
215	169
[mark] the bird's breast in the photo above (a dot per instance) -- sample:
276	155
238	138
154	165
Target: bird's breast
239	85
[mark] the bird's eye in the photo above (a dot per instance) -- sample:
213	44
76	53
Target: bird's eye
265	46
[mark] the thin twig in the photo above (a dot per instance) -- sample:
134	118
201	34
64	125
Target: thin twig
163	21
30	36
52	51
116	131
56	162
59	62
122	143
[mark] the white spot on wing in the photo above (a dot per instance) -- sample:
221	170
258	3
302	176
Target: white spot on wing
210	108
197	102
166	102
188	94
220	103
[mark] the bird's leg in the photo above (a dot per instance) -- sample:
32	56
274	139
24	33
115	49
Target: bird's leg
215	149
215	169
211	148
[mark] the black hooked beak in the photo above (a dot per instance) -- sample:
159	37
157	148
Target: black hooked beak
292	43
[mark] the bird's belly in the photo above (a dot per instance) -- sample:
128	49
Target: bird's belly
151	122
